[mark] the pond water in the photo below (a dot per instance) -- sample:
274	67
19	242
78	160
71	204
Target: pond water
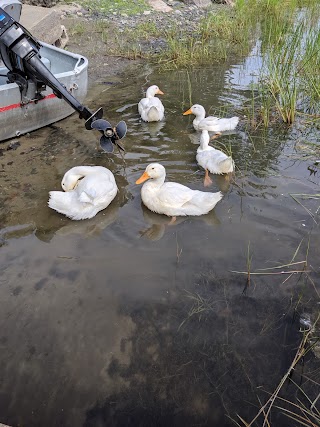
124	320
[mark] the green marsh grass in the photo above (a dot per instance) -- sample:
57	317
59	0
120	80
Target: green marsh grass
290	68
289	82
77	28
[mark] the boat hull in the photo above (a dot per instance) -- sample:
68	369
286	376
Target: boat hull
15	119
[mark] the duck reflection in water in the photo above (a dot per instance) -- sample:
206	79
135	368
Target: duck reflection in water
153	128
158	224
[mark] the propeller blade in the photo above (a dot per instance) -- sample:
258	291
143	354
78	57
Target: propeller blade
106	144
121	130
101	124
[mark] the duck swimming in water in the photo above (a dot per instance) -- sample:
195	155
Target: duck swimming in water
212	160
87	190
210	123
173	199
151	108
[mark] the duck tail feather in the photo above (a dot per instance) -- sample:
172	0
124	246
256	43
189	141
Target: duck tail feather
66	204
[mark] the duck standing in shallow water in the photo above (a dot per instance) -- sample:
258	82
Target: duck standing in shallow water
212	160
151	108
87	190
210	123
173	199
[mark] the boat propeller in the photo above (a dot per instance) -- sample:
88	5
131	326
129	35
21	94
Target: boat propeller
110	135
20	52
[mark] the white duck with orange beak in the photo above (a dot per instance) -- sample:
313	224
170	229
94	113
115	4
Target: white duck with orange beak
212	160
173	199
151	108
210	123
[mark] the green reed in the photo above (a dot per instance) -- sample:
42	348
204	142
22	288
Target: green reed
289	79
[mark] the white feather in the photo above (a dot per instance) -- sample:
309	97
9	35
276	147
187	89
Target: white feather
88	190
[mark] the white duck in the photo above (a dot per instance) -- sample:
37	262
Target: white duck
88	190
151	108
212	160
210	123
173	199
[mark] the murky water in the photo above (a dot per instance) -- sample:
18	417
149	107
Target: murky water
124	320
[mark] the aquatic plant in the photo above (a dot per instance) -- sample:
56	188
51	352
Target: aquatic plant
291	52
305	414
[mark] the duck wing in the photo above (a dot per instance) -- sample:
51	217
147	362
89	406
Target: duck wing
88	196
214	124
228	124
151	109
143	105
96	188
174	194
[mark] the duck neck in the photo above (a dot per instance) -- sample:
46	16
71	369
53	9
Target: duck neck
150	93
204	140
81	171
155	183
200	115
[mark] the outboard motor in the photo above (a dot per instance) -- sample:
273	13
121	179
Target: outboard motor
19	51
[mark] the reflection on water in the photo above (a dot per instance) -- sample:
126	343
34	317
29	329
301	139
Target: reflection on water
127	320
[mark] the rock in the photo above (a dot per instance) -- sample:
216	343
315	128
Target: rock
159	6
13	145
44	24
43	3
202	4
147	12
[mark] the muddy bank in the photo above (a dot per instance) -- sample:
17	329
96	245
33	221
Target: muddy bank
101	37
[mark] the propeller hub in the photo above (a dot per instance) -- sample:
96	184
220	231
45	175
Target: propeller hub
110	135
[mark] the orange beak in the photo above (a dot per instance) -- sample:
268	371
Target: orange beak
159	92
186	113
142	178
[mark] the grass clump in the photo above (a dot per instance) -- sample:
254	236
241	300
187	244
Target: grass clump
289	81
104	7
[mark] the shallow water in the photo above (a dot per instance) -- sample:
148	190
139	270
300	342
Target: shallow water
124	320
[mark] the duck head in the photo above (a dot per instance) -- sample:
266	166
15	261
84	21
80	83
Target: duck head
196	109
152	91
153	171
70	181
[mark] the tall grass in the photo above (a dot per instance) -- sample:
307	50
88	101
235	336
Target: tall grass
289	80
290	66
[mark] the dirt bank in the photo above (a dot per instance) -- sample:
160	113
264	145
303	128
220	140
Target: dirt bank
112	41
